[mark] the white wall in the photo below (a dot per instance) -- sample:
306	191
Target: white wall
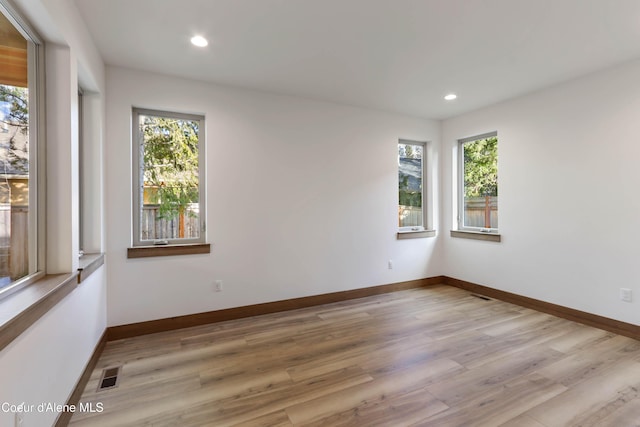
45	362
569	211
302	200
62	160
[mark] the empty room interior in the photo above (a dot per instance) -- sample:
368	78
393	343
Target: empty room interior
305	212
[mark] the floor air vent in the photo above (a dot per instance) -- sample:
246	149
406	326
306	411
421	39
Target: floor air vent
481	297
109	378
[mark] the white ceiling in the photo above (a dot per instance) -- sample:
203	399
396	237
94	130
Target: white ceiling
393	55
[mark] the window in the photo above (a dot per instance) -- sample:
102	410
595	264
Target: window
21	226
80	172
411	197
168	178
478	183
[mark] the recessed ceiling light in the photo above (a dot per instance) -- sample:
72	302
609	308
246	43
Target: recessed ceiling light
451	97
199	41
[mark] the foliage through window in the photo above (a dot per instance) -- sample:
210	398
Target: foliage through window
411	215
18	197
169	190
479	182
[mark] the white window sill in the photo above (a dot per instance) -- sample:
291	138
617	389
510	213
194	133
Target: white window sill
476	235
419	234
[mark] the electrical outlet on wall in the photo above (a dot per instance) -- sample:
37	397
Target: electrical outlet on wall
217	286
625	294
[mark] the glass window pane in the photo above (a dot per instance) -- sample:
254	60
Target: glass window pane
480	193
169	177
410	184
14	155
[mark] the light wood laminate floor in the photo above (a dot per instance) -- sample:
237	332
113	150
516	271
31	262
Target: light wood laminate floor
433	356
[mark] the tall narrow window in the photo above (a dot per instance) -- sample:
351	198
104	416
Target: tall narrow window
478	206
80	173
169	181
18	167
411	209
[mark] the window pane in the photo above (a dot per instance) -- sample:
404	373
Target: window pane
14	155
81	220
169	173
410	158
481	183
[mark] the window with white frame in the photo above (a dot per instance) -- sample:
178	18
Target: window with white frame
21	222
411	197
81	172
169	194
478	183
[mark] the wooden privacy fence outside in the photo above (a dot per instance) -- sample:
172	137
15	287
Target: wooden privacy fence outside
14	241
409	216
478	209
475	213
152	227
